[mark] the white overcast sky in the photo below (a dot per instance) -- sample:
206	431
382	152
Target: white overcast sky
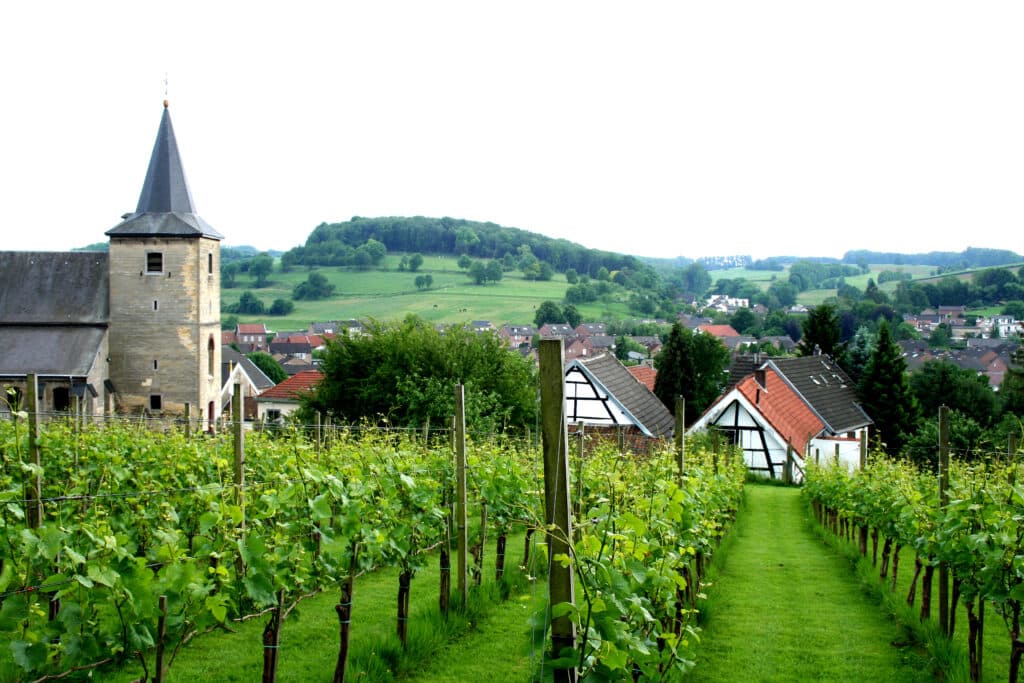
651	128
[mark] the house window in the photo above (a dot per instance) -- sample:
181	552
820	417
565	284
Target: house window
156	402
61	399
273	414
154	262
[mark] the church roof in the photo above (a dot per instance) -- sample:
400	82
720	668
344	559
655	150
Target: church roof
54	288
165	208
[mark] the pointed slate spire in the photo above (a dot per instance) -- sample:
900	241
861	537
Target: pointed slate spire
165	189
165	206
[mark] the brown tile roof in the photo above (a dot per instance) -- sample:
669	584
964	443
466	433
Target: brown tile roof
252	328
783	408
645	374
294	387
719	330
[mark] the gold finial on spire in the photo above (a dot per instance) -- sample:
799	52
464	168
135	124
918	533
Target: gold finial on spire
165	91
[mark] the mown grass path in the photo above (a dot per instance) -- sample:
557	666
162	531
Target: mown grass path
784	607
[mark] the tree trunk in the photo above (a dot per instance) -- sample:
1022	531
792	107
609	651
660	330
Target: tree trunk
499	556
912	593
271	639
953	600
895	565
974	640
445	591
926	591
404	580
526	549
874	547
1016	644
885	559
862	540
344	611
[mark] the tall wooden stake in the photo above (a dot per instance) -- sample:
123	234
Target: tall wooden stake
34	486
461	532
943	501
864	449
680	434
188	421
556	497
239	437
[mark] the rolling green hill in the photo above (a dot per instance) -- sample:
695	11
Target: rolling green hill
391	294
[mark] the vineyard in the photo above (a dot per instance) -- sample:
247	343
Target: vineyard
127	542
965	530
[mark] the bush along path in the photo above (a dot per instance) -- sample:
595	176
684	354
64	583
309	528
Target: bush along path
784	607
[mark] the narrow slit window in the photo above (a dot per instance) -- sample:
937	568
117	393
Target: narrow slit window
156	364
209	264
156	305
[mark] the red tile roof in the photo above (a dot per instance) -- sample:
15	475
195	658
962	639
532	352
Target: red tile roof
645	374
719	330
785	411
295	386
252	328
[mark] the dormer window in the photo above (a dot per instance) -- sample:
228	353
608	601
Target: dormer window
154	262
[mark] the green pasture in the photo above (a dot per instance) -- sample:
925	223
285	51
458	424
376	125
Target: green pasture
391	294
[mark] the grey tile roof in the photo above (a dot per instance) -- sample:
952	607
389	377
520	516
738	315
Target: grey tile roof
54	288
630	392
826	389
50	350
231	357
165	206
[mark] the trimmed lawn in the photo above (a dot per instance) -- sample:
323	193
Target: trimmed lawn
783	608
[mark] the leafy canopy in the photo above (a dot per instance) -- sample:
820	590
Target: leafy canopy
406	373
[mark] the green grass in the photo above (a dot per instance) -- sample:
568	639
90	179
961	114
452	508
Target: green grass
309	637
390	294
782	608
951	655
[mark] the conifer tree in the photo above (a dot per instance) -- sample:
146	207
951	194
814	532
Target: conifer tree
822	333
692	366
885	393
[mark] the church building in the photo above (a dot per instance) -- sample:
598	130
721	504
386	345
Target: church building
135	330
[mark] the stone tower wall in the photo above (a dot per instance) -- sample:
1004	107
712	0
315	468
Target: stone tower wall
165	325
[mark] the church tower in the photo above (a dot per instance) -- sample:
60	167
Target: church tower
164	332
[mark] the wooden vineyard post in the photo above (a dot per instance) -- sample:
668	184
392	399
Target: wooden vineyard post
864	449
680	434
1011	457
461	532
555	439
837	454
319	426
787	471
576	508
188	421
34	485
943	501
239	434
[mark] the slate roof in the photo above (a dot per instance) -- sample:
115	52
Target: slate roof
229	358
54	288
59	350
826	388
54	310
165	206
293	388
632	394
